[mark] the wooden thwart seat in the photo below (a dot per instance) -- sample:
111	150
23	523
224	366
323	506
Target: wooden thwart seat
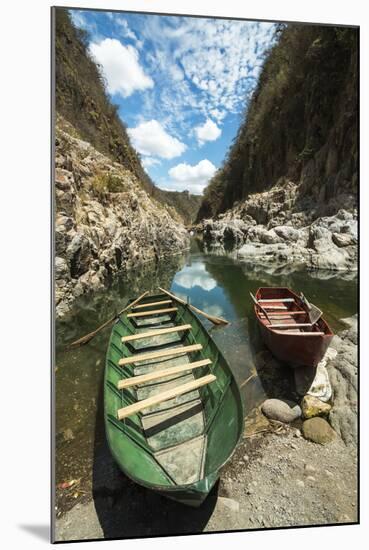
153	312
143	378
158	332
158	354
286	313
289	325
301	333
164	396
150	304
276	300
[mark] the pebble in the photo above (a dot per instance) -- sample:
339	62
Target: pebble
245	458
309	469
310	478
300	483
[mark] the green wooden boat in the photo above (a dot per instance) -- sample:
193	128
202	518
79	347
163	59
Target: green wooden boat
169	431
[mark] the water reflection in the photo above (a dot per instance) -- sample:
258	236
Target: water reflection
217	284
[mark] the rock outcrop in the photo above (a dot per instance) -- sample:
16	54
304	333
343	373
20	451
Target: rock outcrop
105	221
343	374
276	227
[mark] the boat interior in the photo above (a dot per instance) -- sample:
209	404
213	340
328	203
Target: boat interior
169	390
286	313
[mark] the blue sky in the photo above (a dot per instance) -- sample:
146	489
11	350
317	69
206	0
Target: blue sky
181	84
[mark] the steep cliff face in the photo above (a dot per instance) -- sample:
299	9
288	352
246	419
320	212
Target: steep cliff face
105	221
82	100
300	127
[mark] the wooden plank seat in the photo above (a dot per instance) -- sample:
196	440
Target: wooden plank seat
287	312
143	378
158	354
164	396
289	325
157	332
156	312
151	304
300	333
283	300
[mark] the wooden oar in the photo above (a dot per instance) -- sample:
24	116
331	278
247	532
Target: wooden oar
85	339
261	307
212	318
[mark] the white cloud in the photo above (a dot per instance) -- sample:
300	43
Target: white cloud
209	131
120	66
150	138
216	61
147	162
195	275
193	178
127	32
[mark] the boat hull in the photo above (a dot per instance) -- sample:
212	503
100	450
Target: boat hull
290	349
139	449
298	349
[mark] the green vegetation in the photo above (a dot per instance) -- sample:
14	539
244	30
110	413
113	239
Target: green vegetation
82	100
184	203
107	183
304	105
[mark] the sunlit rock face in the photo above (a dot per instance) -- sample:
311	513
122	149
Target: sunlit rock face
105	222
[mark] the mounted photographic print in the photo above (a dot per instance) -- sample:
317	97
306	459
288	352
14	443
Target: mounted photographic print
205	185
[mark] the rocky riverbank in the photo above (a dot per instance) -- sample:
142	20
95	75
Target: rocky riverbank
283	227
105	221
280	475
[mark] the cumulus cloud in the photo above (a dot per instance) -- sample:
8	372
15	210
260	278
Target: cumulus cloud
147	162
150	138
120	66
195	275
209	131
193	178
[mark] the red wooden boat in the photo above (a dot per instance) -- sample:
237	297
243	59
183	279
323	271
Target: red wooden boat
291	327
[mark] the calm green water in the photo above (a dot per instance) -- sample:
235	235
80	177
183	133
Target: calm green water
217	284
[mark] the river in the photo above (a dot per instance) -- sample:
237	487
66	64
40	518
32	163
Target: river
217	284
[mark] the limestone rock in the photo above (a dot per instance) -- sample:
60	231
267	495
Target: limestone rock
283	411
99	232
312	406
318	430
343	239
343	375
61	268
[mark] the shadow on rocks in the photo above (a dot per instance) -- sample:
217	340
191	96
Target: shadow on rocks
125	509
276	377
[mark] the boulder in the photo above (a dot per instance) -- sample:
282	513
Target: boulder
287	233
343	375
312	406
283	411
343	239
318	430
